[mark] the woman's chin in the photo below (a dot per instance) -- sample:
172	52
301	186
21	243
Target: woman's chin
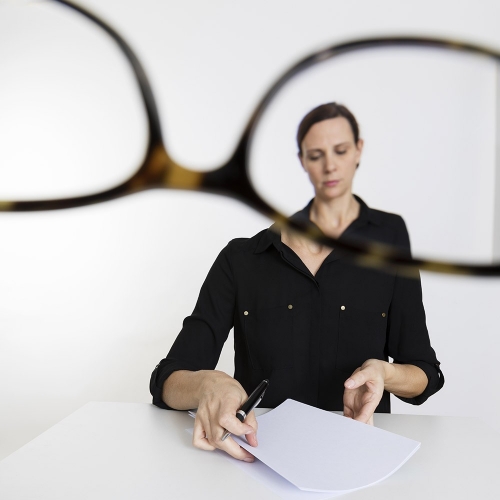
330	193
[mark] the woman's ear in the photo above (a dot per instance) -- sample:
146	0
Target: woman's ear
359	150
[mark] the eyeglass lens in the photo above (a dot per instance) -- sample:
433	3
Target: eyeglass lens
72	123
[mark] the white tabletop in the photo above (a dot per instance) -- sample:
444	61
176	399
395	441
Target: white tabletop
137	451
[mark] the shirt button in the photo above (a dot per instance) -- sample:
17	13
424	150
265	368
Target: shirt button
383	315
245	313
290	306
342	307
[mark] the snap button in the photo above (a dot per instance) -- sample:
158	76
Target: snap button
290	306
342	307
245	313
383	315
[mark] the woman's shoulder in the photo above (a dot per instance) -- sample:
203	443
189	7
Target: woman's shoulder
381	217
395	227
388	219
252	244
385	227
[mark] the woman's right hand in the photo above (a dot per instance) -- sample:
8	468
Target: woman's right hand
220	397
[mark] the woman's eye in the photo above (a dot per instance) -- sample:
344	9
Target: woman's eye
342	152
314	158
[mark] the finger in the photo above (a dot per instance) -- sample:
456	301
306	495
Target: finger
231	447
348	401
363	417
200	438
348	412
365	414
251	438
215	430
229	422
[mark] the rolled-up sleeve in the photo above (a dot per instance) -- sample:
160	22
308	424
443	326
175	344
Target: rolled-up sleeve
408	340
199	344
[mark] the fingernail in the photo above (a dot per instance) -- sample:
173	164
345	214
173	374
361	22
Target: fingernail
249	432
249	460
349	383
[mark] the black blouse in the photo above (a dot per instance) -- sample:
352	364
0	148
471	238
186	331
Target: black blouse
305	333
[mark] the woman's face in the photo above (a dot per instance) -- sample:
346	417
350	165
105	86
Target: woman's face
330	156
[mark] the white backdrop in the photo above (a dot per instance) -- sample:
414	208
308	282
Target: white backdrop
91	299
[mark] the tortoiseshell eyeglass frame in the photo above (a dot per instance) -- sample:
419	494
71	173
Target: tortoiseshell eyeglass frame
159	170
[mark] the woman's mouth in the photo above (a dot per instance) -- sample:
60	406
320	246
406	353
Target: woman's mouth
331	183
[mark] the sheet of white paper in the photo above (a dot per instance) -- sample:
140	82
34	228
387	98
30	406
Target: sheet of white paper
276	483
320	451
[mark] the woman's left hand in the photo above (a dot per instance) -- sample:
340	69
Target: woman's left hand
364	390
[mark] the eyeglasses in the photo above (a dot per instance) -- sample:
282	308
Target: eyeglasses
427	110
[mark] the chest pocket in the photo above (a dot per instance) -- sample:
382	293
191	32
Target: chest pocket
276	336
362	336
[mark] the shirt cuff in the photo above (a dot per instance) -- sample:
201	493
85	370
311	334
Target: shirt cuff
435	380
163	370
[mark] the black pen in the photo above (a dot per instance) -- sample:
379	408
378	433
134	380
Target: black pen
253	400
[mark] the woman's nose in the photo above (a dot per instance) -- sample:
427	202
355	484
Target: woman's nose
330	164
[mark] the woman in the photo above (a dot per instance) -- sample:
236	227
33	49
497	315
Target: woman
318	327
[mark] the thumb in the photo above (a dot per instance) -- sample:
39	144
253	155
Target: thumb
252	422
356	380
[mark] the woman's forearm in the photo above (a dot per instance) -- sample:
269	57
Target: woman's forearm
407	381
183	389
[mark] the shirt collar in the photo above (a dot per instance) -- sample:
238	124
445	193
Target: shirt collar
273	235
366	214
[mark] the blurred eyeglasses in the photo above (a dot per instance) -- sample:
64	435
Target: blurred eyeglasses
79	126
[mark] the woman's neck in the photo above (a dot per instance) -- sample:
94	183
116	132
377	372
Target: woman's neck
332	217
335	215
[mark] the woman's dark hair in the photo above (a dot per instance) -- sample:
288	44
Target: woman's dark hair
325	112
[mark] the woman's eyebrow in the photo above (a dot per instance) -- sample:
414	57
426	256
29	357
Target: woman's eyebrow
319	149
